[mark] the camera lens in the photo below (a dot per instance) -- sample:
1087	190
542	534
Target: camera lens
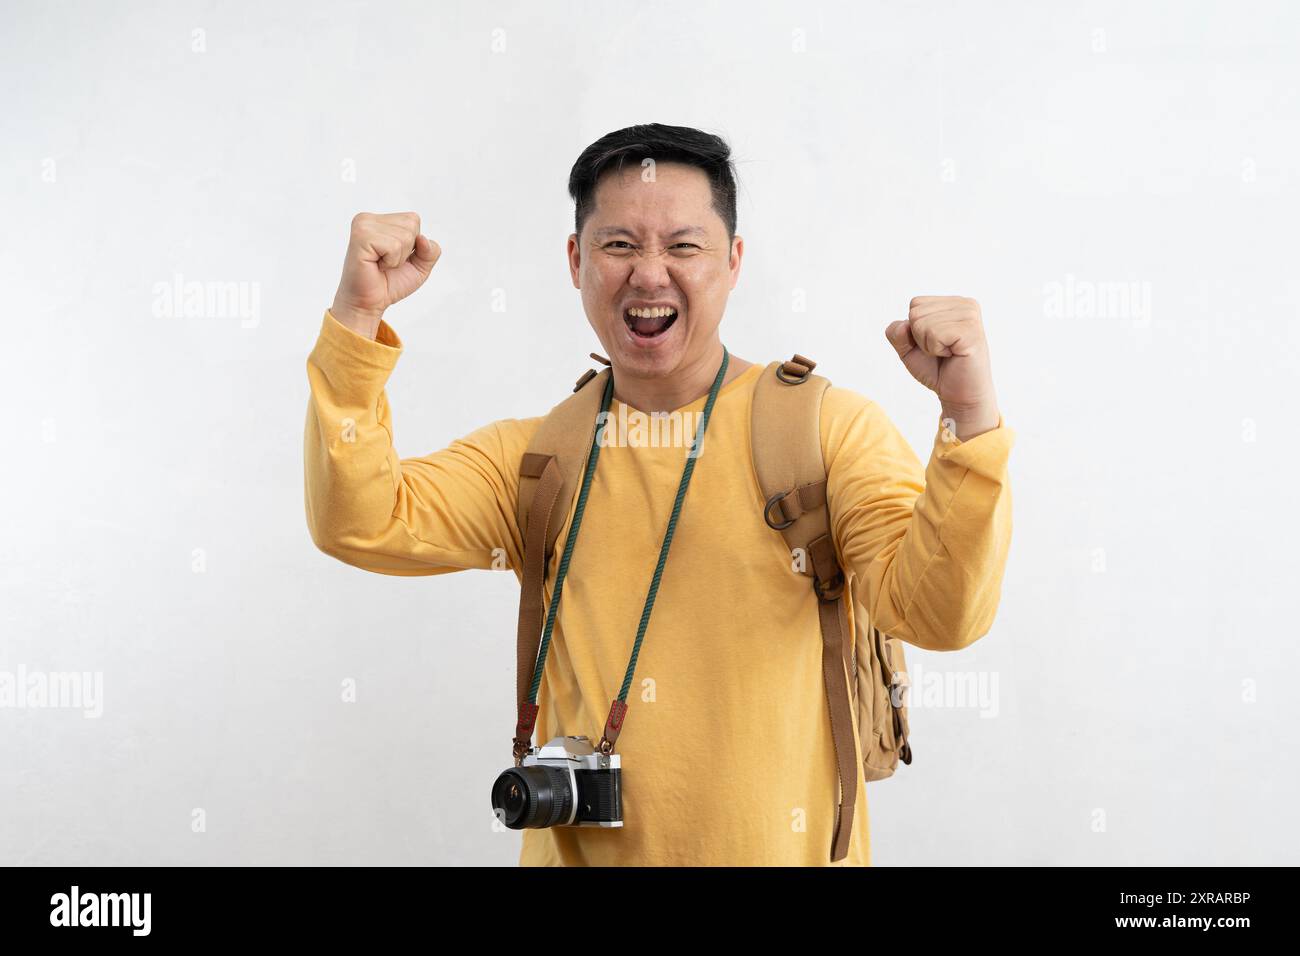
536	797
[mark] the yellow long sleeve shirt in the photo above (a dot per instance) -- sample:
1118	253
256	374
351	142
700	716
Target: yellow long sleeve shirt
726	746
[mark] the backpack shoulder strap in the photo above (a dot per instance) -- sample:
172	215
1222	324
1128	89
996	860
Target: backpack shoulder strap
785	430
549	474
565	434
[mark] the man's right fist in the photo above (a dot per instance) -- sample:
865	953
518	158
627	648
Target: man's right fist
387	260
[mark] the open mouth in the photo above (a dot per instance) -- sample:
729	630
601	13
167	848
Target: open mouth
649	323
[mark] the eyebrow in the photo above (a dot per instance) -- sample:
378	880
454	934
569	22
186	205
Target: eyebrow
623	231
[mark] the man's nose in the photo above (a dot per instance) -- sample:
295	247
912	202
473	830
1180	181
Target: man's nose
650	271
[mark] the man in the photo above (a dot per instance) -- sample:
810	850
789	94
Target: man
726	746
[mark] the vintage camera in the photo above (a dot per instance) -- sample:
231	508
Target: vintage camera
565	783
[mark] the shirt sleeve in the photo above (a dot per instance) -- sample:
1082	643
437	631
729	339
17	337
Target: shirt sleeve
928	547
447	511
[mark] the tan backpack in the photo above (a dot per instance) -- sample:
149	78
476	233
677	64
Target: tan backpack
865	678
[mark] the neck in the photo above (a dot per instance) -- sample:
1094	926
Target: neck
684	386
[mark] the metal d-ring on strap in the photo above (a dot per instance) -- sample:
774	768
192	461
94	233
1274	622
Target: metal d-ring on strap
795	371
618	708
767	512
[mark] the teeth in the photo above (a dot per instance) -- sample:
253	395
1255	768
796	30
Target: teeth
657	313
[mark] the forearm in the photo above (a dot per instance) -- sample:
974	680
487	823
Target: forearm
926	545
349	487
446	511
942	587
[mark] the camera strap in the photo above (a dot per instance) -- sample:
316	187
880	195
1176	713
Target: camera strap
548	491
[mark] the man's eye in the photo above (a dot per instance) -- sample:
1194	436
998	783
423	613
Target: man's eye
621	244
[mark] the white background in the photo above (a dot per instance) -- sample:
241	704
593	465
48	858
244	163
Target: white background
152	514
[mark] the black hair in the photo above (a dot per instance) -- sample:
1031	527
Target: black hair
663	144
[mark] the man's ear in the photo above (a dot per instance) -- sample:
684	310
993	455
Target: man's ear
574	254
737	253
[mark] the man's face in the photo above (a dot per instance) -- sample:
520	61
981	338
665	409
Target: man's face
655	244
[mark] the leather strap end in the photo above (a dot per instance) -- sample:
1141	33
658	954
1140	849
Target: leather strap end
843	829
524	728
533	465
614	723
828	577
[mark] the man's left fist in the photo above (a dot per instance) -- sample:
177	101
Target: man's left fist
942	344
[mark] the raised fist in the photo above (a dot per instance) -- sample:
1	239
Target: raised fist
942	343
387	260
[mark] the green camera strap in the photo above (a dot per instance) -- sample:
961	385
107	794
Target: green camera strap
618	709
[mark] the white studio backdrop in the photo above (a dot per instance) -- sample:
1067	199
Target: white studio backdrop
1116	183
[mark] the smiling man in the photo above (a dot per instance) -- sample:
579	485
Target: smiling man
655	256
728	751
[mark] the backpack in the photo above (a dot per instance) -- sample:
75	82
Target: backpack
865	675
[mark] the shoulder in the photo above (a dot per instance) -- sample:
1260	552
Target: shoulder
496	446
855	427
844	413
511	437
839	403
516	430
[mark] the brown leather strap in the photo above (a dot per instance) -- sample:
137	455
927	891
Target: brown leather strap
795	372
532	465
613	724
565	433
836	679
786	439
549	474
828	580
803	499
837	651
545	468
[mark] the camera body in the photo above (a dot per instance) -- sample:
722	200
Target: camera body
564	783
